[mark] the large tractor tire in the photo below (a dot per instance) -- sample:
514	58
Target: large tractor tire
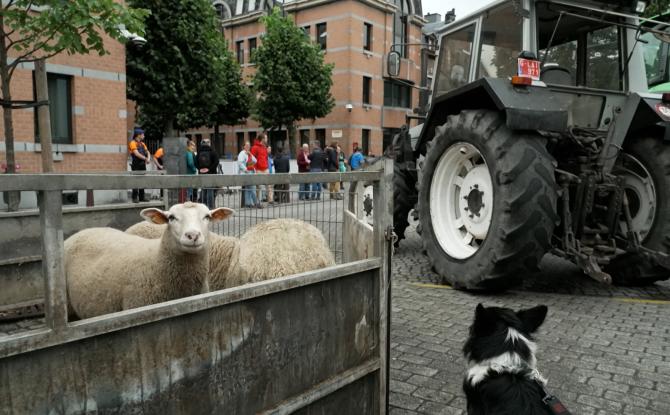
487	202
404	198
645	165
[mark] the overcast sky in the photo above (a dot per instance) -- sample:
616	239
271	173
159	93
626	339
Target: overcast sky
463	7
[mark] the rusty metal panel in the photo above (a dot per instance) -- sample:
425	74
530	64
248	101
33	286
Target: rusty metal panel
237	358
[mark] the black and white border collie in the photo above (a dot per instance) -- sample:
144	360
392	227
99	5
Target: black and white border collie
502	377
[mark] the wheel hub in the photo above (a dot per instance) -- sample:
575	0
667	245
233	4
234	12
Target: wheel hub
474	210
461	200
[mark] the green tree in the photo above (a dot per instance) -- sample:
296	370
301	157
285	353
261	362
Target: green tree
292	81
39	29
185	77
656	7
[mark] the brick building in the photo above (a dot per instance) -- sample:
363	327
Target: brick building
356	36
87	96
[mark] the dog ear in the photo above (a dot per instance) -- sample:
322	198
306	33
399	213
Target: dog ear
482	324
532	318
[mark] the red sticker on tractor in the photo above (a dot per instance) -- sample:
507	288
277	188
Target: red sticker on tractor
529	68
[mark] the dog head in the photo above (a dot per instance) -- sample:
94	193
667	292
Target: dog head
502	334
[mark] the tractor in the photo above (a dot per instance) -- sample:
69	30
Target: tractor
542	136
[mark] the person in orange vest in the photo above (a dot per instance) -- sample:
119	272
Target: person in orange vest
140	157
158	158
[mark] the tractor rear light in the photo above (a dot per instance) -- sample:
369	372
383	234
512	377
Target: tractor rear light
666	97
521	80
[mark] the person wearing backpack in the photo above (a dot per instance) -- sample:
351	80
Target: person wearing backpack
207	162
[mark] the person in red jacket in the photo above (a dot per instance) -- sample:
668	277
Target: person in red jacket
260	151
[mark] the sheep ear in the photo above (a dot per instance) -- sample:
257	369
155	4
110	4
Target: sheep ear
154	215
220	213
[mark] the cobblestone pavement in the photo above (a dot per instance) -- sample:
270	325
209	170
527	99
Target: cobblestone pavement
605	350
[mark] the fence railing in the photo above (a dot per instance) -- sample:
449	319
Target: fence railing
59	331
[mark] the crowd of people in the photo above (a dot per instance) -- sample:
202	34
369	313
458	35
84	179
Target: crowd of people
256	158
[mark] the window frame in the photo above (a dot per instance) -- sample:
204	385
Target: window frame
239	51
367	36
367	90
252	48
320	38
395	98
70	120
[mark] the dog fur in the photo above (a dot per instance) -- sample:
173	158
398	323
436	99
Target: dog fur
502	378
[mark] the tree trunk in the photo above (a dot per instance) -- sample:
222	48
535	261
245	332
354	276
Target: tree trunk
293	143
12	198
43	115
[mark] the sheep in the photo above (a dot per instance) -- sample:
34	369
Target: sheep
271	249
108	270
223	252
281	247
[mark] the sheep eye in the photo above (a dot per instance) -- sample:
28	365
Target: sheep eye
208	217
172	218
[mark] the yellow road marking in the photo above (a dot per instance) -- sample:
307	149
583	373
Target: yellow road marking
444	287
624	300
643	301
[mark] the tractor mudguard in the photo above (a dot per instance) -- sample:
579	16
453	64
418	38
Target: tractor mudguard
525	108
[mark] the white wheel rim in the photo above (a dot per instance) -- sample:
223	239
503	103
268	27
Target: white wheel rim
461	200
641	194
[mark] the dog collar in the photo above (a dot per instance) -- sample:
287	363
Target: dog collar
552	402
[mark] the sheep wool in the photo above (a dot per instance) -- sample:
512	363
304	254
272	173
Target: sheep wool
108	270
282	247
276	248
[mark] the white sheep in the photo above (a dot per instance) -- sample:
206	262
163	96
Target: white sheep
108	270
281	247
271	249
223	253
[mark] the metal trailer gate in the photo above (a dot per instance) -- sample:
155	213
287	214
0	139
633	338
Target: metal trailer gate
310	343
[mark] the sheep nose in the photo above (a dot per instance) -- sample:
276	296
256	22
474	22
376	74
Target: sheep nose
193	235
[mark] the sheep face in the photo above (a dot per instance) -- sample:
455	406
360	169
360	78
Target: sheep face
187	223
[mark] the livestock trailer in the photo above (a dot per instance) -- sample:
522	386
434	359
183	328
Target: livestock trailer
316	342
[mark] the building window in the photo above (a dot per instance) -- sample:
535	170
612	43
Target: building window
365	138
367	36
239	49
321	137
400	32
252	48
388	134
397	94
304	137
252	137
222	11
60	109
367	81
322	35
308	30
240	141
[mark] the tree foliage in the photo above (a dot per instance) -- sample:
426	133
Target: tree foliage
185	77
43	28
39	29
292	81
656	7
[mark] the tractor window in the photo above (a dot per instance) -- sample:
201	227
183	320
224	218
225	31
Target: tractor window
454	64
603	59
579	48
655	55
501	43
563	56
